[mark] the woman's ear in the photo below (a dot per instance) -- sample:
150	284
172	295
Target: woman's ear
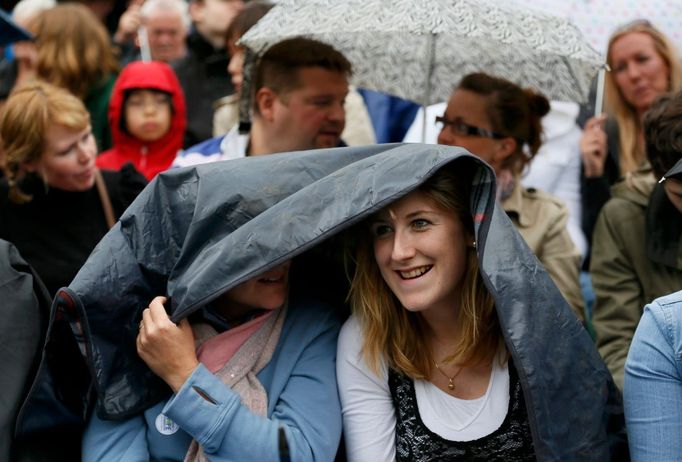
505	148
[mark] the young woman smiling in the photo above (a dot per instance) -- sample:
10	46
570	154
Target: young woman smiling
433	364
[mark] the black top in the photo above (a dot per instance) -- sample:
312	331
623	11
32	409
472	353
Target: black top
56	231
415	442
596	191
204	79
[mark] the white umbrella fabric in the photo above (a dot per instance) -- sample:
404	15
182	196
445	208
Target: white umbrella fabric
598	19
419	49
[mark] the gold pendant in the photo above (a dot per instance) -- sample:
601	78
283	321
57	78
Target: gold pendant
451	385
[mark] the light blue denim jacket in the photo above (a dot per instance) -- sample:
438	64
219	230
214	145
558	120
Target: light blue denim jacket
300	381
653	383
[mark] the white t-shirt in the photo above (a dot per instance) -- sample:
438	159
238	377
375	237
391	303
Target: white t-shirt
368	413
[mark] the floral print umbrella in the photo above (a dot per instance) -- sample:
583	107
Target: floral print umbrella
419	49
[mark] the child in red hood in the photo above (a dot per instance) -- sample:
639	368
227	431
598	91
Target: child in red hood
147	118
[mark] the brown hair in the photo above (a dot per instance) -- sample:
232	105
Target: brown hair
396	334
278	68
30	109
513	111
246	19
663	132
74	51
629	124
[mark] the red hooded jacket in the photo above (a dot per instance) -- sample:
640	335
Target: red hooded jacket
149	158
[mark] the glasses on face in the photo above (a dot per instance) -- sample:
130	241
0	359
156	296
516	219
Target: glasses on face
158	101
461	128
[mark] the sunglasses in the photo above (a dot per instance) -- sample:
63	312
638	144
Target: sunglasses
462	128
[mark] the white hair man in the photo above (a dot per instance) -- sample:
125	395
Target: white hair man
166	22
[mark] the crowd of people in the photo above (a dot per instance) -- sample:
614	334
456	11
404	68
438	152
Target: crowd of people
175	291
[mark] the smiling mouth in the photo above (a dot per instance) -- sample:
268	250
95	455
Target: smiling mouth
415	273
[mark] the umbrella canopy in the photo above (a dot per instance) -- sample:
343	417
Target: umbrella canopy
10	32
419	49
598	19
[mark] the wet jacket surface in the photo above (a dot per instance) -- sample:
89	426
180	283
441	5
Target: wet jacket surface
194	235
635	259
153	157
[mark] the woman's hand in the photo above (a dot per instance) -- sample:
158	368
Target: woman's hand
167	348
593	146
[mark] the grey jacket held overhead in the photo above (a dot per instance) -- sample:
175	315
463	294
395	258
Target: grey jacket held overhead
195	233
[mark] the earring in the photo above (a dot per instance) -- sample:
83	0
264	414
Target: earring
473	244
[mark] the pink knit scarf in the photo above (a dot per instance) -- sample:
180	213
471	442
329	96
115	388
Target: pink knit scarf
235	357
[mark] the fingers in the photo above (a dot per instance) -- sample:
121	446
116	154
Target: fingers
596	122
157	311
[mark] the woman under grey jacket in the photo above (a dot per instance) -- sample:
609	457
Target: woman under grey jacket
205	229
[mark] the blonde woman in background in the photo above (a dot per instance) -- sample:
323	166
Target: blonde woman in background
644	64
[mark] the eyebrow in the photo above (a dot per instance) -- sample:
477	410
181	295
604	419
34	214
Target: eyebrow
378	217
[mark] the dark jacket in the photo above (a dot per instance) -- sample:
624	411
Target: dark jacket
204	79
637	257
25	306
195	233
56	231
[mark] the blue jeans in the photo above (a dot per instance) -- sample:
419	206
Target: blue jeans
653	383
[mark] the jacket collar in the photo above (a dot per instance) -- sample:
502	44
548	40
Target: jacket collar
513	205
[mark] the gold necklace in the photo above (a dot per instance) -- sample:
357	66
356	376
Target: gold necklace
451	384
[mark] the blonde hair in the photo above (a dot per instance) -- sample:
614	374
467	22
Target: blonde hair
74	51
629	124
397	335
30	109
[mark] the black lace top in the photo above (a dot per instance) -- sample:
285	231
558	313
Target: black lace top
415	442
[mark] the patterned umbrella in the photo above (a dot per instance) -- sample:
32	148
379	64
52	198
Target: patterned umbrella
598	19
419	49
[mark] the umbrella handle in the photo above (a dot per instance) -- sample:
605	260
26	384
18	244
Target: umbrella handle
599	101
145	52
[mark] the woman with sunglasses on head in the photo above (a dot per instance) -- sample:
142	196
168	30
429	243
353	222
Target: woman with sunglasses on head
644	64
499	122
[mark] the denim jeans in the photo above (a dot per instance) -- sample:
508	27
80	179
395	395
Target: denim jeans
653	383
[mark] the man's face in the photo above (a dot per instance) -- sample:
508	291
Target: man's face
673	189
312	115
166	34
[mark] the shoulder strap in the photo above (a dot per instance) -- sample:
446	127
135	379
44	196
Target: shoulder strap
104	197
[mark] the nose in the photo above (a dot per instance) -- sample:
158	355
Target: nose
86	150
337	112
150	107
447	137
403	249
633	71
